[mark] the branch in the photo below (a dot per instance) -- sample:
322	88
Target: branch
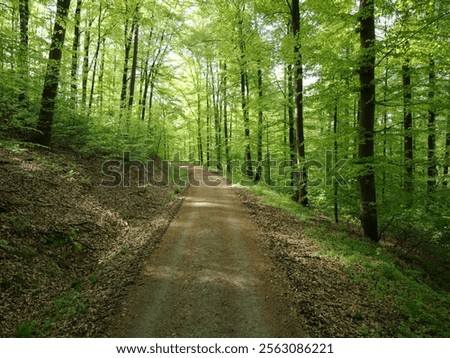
289	5
401	43
387	226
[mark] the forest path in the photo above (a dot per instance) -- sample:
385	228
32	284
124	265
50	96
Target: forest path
210	277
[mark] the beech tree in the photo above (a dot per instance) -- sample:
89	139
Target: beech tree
369	219
24	13
298	78
51	81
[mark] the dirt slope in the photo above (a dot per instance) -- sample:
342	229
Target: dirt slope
68	245
210	277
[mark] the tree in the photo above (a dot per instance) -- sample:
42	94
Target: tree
225	116
51	81
75	47
135	57
447	153
407	127
258	174
298	78
24	11
432	171
369	218
245	91
278	80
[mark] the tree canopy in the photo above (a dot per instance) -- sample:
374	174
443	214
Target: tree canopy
344	105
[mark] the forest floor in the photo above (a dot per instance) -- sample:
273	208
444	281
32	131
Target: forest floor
78	259
68	245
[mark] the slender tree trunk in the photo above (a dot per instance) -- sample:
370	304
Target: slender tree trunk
151	95
199	128
245	95
407	127
145	90
432	170
369	219
208	120
135	60
147	75
258	175
285	117
91	93
385	120
85	72
75	48
24	14
51	80
336	158
95	59
356	121
291	117
100	76
225	116
152	75
217	127
447	153
300	136
128	36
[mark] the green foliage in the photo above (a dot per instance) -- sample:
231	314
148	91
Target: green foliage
191	60
420	297
93	279
64	306
67	305
62	239
4	245
27	330
27	252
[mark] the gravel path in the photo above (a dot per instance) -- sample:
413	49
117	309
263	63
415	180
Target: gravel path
210	277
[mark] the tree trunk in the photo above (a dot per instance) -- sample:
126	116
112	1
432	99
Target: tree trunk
75	47
300	136
336	158
157	62
135	60
385	120
51	80
225	117
208	121
145	81
447	153
432	171
199	126
245	99
145	89
258	175
95	59
128	36
369	219
291	117
24	14
147	74
407	127
217	126
100	76
85	72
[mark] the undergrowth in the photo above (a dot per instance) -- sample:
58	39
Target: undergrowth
420	296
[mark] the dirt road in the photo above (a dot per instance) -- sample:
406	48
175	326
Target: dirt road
210	277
